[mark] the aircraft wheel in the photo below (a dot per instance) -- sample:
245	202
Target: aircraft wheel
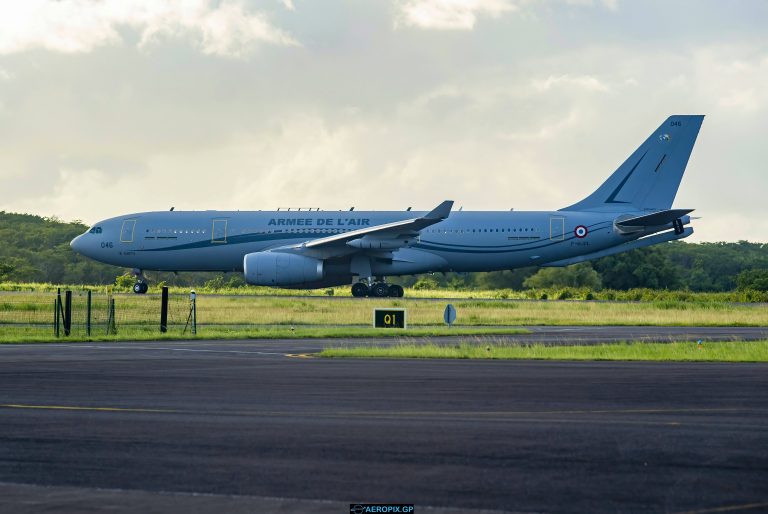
140	288
396	291
380	290
359	290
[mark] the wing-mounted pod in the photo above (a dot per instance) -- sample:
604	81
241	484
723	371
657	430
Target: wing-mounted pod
381	242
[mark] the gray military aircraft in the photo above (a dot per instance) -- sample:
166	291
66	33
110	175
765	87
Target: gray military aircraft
311	248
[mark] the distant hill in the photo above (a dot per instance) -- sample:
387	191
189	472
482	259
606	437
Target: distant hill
36	249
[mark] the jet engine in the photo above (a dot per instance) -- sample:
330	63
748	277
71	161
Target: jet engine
280	269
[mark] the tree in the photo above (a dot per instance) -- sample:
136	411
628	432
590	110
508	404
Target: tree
512	279
6	270
756	279
648	267
578	275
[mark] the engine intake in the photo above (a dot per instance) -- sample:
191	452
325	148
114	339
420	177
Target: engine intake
280	269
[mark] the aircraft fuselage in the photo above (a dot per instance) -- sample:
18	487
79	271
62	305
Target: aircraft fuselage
465	241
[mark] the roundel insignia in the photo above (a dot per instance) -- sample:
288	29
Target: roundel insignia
580	231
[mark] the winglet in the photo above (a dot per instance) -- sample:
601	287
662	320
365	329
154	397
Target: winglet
441	211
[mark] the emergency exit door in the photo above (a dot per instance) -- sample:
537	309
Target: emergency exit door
557	228
219	231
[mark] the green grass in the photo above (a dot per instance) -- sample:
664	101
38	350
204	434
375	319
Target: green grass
733	351
565	293
264	311
11	335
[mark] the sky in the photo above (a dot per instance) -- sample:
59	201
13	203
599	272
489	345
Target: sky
117	106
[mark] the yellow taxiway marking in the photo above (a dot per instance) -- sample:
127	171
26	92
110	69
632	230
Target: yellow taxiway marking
300	355
79	408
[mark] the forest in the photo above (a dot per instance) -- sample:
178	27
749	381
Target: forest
36	249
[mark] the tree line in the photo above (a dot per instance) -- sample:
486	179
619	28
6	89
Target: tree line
36	249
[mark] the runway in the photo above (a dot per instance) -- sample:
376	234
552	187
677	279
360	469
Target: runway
245	426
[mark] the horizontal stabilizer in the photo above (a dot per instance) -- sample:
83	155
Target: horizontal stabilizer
653	220
632	245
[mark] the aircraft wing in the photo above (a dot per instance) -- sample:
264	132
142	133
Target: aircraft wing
386	236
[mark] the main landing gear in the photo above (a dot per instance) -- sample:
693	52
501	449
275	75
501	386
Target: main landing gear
141	286
378	289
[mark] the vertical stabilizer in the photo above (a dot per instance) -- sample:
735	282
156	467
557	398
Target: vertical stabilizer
650	177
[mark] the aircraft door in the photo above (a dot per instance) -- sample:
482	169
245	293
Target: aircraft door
126	232
219	231
557	228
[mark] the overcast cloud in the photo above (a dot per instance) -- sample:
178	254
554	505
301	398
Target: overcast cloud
116	106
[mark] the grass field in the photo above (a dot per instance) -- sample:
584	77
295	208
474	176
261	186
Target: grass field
756	351
565	293
216	313
320	311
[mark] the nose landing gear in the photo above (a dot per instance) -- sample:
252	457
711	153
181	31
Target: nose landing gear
141	286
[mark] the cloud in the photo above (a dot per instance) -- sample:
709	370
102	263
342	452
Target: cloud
450	14
586	82
463	14
736	75
611	5
546	131
533	111
79	26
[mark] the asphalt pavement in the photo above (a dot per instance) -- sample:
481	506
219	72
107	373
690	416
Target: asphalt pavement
252	426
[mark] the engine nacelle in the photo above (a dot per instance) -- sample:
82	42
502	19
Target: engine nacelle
280	269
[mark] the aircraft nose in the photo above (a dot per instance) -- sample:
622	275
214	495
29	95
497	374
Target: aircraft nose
77	244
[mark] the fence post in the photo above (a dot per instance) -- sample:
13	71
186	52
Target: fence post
67	313
88	315
194	313
56	316
111	327
164	311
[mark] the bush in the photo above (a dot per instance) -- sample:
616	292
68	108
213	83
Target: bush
578	275
426	282
215	283
125	281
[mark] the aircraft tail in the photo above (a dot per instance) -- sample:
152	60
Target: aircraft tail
650	177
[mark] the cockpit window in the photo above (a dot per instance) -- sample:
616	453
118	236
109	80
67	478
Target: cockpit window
95	230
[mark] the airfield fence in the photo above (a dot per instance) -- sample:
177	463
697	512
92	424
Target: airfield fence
32	313
38	313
